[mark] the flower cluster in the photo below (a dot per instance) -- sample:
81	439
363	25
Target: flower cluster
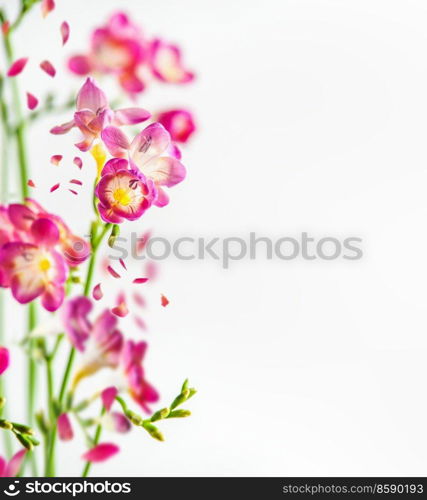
122	49
37	249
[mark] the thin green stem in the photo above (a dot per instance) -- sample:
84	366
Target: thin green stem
50	465
95	441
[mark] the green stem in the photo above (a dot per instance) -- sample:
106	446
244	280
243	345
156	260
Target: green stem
50	465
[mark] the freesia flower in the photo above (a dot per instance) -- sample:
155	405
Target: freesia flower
11	468
117	48
166	63
93	115
116	422
179	123
140	390
65	430
123	192
152	153
76	323
4	359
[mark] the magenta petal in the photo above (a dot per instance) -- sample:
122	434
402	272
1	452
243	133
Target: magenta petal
48	68
115	141
120	310
63	129
150	143
65	430
80	65
15	463
162	198
32	101
78	161
120	422
97	292
65	32
108	396
130	116
21	216
101	452
114	165
45	232
91	97
17	67
4	359
53	297
47	6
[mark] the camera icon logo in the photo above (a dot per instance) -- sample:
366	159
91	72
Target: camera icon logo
12	489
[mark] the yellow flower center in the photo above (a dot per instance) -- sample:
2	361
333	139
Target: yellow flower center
122	196
44	264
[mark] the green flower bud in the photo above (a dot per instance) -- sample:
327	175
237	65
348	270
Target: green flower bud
5	424
192	392
41	423
153	431
179	414
160	415
2	402
134	417
181	398
184	385
25	441
115	231
24	429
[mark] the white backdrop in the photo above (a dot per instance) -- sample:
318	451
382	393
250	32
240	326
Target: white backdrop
312	117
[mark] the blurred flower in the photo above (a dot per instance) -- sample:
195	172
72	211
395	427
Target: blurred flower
101	452
152	153
140	390
11	468
93	115
108	397
116	422
179	123
166	63
4	359
65	430
123	193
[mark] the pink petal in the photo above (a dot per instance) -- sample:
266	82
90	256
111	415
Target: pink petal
115	141
139	300
140	323
113	273
101	452
121	310
32	101
76	181
164	301
122	262
130	116
151	270
45	232
53	297
5	27
120	422
162	198
30	183
108	396
78	161
73	192
17	67
140	280
80	65
150	143
63	129
4	359
65	32
91	97
48	68
55	159
54	187
47	6
65	430
15	463
97	292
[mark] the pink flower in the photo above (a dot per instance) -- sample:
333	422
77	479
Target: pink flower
116	422
166	63
108	396
123	193
140	390
11	468
65	430
4	359
101	452
17	67
179	123
93	115
76	323
117	48
152	153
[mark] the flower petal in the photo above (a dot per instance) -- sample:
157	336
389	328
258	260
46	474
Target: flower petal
48	68
47	6
115	141
32	101
150	143
55	159
53	297
97	292
15	463
63	129
165	171
65	32
4	359
91	97
80	65
17	66
120	310
130	116
78	161
65	430
45	232
101	452
164	301
108	396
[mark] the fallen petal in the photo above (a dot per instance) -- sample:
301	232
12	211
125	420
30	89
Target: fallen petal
122	262
74	192
48	68
76	181
65	32
32	101
17	67
164	301
140	323
121	310
55	159
4	359
47	6
97	292
101	452
55	187
30	183
78	161
5	27
140	280
113	273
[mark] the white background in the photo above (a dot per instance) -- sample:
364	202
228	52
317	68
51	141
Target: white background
312	117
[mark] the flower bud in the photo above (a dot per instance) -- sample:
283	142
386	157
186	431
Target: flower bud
26	443
41	423
2	402
184	385
134	417
179	414
113	235
153	431
24	429
5	424
181	398
160	415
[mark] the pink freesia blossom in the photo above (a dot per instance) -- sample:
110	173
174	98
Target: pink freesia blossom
65	430
117	48
179	123
76	323
11	468
101	452
123	193
151	152
140	390
166	63
93	115
4	359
